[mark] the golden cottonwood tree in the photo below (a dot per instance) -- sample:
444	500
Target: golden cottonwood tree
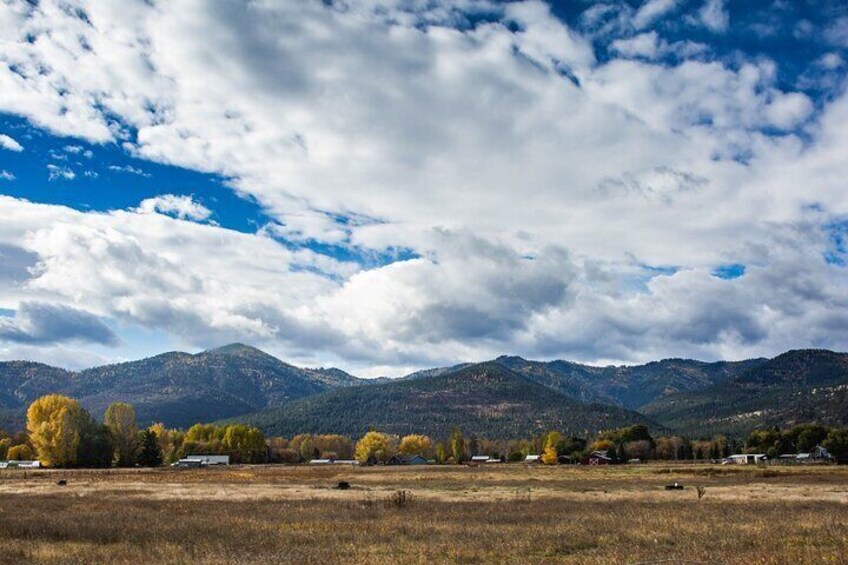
549	456
415	444
53	422
120	419
373	445
20	452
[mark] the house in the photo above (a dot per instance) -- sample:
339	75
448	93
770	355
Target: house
407	460
478	459
746	459
321	462
597	458
351	462
533	459
211	459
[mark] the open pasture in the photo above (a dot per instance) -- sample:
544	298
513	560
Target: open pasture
499	513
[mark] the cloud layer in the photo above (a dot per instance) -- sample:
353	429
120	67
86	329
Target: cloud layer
554	202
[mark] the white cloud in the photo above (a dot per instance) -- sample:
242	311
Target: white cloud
650	46
6	175
473	147
653	10
60	173
183	207
129	169
9	143
715	16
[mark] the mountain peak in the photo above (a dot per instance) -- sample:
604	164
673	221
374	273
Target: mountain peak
237	349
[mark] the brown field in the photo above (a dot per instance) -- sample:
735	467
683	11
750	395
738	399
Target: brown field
494	514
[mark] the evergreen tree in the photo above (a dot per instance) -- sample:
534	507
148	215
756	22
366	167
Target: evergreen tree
151	453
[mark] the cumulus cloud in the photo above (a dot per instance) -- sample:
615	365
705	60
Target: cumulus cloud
535	183
9	143
39	323
183	207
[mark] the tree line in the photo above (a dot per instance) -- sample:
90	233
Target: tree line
60	433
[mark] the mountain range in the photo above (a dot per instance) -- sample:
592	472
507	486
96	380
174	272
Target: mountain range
506	397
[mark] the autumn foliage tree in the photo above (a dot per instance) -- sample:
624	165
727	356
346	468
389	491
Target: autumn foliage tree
120	419
374	446
53	423
20	452
415	444
549	455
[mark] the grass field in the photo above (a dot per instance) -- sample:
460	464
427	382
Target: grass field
508	513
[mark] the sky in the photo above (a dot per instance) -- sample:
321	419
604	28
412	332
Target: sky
387	185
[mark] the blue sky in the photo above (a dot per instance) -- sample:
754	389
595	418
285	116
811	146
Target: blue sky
391	185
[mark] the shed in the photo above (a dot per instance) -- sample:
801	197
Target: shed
533	459
597	458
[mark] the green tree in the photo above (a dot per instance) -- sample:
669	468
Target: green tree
53	423
120	419
457	445
836	443
95	447
5	444
151	453
245	444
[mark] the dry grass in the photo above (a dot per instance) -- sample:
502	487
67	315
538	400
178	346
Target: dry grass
508	514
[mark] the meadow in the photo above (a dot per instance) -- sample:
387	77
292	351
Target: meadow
492	514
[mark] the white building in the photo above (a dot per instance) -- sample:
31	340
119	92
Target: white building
747	459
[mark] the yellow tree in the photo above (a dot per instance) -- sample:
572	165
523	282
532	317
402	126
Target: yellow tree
415	444
549	456
373	445
20	452
53	422
120	419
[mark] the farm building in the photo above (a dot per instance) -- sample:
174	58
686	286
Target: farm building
203	460
746	459
212	459
484	459
20	464
596	458
407	460
321	462
533	459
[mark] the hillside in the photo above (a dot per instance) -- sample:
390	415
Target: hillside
630	386
179	389
795	387
487	399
